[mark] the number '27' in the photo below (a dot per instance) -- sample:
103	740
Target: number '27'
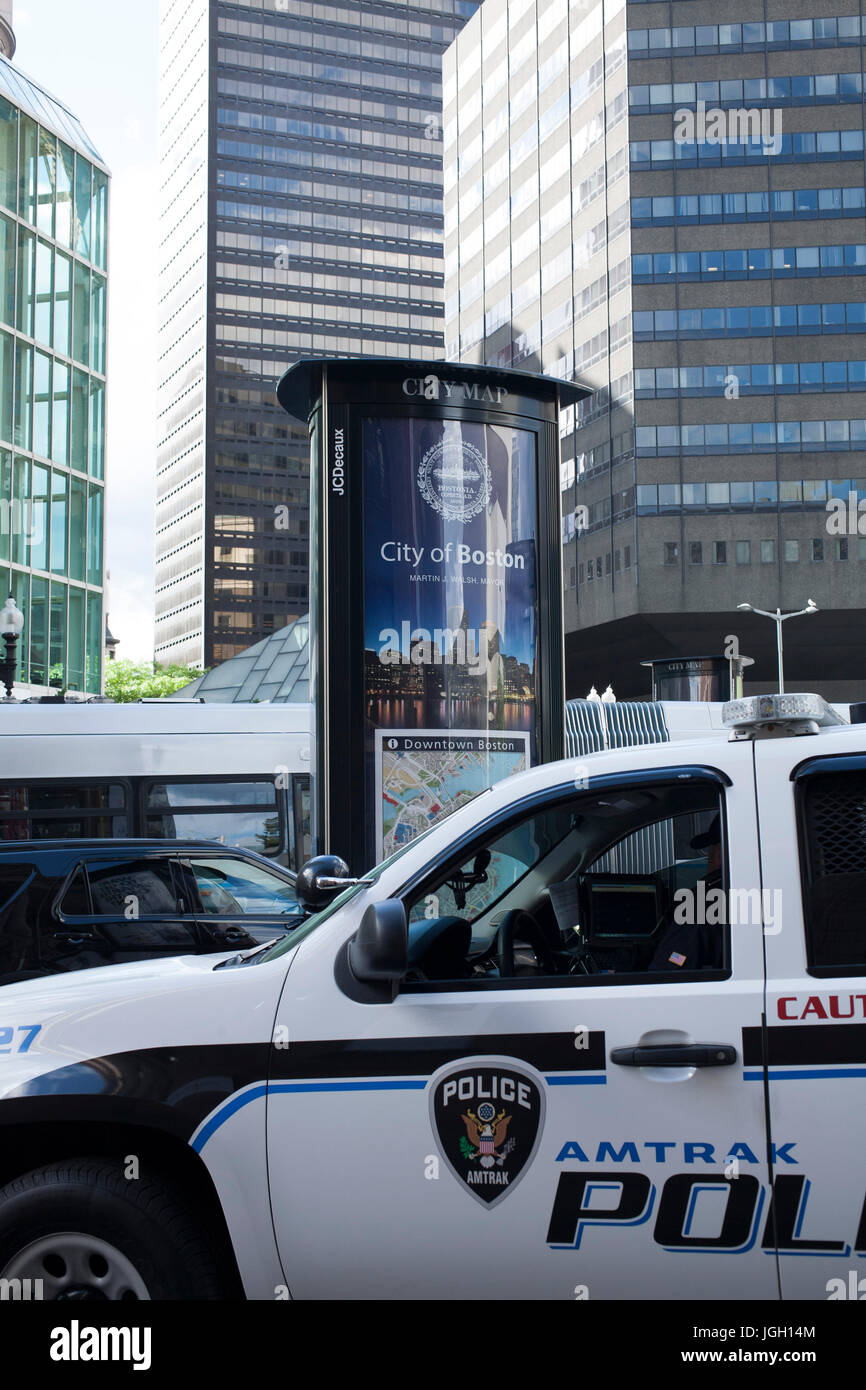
7	1036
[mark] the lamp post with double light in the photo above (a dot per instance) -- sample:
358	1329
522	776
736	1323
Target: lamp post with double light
11	627
778	618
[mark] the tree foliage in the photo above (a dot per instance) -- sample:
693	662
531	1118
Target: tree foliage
126	681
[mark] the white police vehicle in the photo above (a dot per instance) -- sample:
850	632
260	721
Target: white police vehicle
620	1052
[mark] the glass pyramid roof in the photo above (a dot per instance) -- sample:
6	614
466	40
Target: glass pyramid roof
276	669
24	92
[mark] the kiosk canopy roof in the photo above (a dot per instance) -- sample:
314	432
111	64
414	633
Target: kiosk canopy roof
300	386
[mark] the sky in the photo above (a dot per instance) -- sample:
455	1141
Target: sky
99	58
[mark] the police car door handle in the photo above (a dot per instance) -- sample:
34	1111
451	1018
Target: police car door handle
676	1055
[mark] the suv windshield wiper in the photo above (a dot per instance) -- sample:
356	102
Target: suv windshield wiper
242	959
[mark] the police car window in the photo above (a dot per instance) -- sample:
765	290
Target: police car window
470	888
833	842
310	924
626	882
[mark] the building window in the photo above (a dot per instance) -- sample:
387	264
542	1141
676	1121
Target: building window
792	551
841	547
672	553
720	552
607	563
695	553
572	580
617	561
589	571
817	551
626	557
744	552
598	567
768	552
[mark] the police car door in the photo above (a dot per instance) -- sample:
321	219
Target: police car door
517	1135
812	813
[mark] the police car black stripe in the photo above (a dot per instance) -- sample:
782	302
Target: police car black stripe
171	1088
824	1043
414	1056
177	1088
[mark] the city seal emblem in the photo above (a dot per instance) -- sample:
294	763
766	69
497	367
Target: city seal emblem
454	479
487	1114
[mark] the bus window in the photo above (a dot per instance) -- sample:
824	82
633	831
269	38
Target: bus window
249	814
303	845
63	811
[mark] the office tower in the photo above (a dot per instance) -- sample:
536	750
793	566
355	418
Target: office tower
301	216
53	257
672	212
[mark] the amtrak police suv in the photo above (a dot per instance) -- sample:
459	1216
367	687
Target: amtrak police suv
602	1033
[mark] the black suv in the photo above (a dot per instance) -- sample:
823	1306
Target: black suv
70	905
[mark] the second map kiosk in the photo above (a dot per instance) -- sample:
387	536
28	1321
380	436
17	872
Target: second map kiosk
436	632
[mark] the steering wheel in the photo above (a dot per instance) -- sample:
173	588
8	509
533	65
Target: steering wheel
519	922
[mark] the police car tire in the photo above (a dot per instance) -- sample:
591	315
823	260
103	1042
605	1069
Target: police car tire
143	1219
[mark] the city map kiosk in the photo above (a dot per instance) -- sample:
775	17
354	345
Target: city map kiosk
436	628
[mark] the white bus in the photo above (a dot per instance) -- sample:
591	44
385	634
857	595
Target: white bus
233	773
237	774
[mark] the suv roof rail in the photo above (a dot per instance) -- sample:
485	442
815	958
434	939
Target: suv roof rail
69	698
168	700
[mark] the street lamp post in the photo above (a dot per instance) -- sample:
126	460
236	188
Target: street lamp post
778	618
11	626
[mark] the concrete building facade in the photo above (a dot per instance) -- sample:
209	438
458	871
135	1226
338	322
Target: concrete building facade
301	149
667	202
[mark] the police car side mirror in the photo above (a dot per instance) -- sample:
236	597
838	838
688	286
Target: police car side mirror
320	880
378	953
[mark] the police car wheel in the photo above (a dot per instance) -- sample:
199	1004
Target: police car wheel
89	1233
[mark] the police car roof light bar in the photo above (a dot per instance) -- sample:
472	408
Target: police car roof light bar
769	715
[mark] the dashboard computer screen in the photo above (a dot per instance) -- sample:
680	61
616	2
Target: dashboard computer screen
623	909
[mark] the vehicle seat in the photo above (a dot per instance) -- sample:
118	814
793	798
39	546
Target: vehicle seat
439	946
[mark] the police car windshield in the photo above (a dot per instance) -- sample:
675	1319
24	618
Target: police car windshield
291	939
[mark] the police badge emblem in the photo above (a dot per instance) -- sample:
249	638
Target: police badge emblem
487	1115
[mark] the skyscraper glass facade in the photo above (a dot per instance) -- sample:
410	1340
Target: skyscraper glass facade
673	212
53	259
302	216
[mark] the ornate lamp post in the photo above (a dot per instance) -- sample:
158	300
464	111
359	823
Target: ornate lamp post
11	626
